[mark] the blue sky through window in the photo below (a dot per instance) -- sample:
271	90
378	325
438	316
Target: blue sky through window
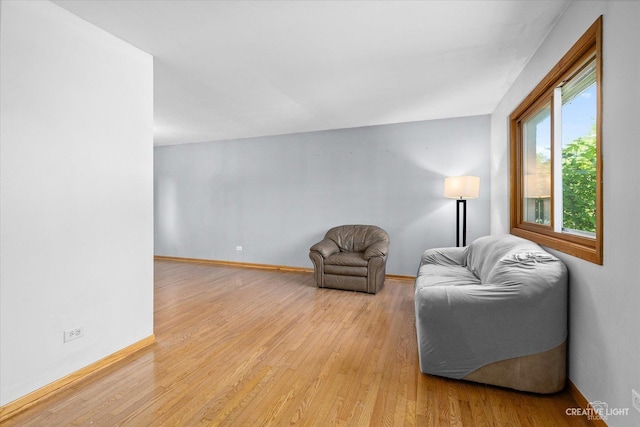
579	115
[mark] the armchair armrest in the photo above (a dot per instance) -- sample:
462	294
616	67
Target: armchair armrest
325	247
445	256
376	249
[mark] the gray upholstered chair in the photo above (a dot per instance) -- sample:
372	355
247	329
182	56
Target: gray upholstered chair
351	257
494	312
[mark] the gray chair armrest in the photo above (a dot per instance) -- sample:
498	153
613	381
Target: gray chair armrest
376	249
375	273
325	247
445	256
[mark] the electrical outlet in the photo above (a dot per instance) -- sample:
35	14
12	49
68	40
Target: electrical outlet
238	248
635	399
72	334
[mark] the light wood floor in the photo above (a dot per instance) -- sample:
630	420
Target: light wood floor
245	347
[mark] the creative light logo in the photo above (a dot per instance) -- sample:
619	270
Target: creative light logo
597	410
600	408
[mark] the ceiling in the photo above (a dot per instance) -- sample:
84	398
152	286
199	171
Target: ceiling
238	69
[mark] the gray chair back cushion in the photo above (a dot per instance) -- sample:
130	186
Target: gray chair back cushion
356	238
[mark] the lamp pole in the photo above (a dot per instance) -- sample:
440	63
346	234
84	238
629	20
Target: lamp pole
461	204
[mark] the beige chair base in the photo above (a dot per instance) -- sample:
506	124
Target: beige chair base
539	373
346	283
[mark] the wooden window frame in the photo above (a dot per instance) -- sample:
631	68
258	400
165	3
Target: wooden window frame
586	248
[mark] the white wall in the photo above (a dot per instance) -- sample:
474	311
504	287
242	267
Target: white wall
604	339
276	196
76	191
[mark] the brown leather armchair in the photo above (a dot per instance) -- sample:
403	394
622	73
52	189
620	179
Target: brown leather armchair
351	257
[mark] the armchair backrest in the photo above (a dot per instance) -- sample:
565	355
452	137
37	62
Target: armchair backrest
356	238
489	252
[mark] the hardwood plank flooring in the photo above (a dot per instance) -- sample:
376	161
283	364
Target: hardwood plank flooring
248	347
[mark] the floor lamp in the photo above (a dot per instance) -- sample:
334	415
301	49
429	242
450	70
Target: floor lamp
461	188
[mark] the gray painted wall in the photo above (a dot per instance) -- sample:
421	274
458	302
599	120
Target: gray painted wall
275	196
604	300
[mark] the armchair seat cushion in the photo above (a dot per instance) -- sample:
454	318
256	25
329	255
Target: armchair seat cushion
439	275
345	270
352	259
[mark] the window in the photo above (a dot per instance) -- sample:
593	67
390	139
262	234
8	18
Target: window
556	161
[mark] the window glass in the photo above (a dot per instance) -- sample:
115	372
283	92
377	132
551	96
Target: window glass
579	109
537	167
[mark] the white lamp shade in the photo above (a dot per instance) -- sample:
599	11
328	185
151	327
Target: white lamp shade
462	187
